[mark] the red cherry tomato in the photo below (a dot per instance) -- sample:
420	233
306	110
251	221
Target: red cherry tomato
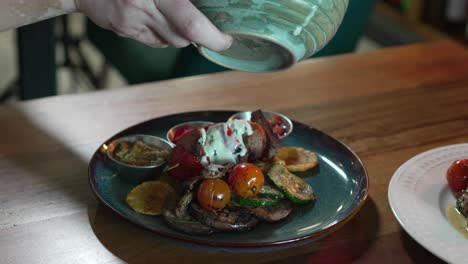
278	130
213	194
184	165
246	179
276	120
457	175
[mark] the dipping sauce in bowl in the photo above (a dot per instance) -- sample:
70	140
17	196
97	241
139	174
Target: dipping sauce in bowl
136	158
139	153
280	124
179	131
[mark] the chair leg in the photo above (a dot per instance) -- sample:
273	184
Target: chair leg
36	60
104	74
98	80
10	91
73	44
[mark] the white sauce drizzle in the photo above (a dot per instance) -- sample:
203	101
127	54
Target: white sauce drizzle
223	147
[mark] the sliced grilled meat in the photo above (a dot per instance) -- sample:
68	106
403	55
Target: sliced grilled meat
256	142
273	213
227	219
273	140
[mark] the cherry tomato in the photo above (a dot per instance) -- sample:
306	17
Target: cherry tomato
276	120
457	175
213	194
184	165
278	130
246	179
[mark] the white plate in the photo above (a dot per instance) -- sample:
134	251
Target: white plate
419	195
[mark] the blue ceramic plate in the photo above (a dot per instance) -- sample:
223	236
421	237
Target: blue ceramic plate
340	183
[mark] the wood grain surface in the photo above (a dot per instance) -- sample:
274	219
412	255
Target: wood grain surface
387	105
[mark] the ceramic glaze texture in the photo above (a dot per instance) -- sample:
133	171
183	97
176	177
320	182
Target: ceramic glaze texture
272	34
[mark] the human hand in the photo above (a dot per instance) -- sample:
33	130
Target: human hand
156	23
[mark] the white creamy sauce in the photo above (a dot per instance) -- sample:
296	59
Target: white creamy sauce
458	221
221	146
202	138
241	128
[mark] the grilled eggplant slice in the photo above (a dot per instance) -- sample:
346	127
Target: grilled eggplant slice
273	213
227	219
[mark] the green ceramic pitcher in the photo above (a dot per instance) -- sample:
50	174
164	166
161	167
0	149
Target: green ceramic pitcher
271	35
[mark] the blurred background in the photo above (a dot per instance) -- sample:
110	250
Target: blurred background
71	55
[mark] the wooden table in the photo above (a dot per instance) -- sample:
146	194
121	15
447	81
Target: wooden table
387	105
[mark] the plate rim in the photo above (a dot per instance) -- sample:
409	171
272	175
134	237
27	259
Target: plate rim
306	238
418	237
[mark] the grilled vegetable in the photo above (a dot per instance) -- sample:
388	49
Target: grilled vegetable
297	159
213	194
258	201
246	180
273	213
268	191
227	219
185	223
296	189
149	197
457	175
183	165
181	210
189	226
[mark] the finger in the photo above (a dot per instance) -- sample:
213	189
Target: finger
144	35
156	21
193	25
144	14
152	39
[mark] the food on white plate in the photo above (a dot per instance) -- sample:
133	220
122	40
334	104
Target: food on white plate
457	178
219	188
457	175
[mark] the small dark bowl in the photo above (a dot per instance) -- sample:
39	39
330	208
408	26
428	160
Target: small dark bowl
192	124
136	173
286	122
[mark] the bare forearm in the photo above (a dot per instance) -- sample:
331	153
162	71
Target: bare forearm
15	13
156	23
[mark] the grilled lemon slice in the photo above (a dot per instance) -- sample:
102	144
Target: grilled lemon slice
296	158
149	197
